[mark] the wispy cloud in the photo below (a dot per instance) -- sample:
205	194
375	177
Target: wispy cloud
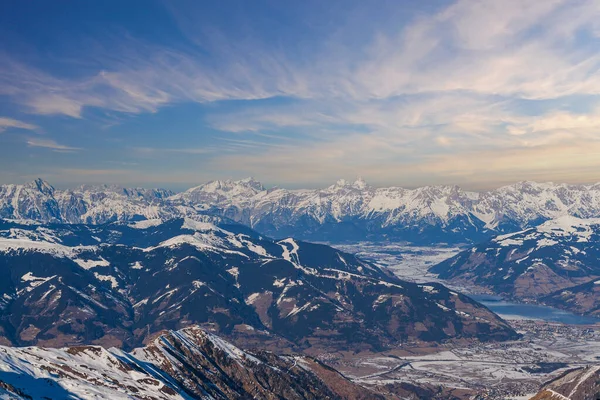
512	48
156	150
142	79
513	80
508	47
50	144
7	123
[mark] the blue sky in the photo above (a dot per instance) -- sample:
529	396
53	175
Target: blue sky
299	94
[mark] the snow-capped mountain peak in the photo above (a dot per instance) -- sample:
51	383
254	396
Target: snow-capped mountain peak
344	211
41	185
358	184
251	182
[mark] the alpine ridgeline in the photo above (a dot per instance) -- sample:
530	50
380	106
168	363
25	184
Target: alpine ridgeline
177	365
346	211
118	284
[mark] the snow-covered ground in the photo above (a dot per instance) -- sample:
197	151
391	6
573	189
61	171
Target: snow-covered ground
408	262
509	370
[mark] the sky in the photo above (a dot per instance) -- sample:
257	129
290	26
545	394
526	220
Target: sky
477	93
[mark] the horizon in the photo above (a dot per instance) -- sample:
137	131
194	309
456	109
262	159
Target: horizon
267	186
155	93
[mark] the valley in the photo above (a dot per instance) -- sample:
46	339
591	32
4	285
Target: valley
395	318
406	261
510	370
553	341
413	263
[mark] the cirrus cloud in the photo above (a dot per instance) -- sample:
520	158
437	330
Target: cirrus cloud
515	81
7	123
50	144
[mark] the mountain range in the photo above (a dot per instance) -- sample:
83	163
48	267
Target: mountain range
345	211
160	294
118	284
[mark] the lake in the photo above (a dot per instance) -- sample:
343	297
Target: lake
510	310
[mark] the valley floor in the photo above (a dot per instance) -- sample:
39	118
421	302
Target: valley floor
509	370
408	262
500	370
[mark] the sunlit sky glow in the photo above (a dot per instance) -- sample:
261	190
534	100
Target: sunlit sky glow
300	93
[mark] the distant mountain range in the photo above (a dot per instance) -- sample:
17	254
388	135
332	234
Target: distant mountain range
554	263
118	284
346	211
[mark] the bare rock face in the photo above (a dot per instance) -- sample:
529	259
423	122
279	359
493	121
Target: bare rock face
555	263
579	384
118	284
186	364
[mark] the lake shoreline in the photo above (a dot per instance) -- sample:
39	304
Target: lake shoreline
509	309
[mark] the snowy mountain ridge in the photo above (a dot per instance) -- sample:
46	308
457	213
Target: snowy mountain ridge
178	365
343	211
554	263
118	284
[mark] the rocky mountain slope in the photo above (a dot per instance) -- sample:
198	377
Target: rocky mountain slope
344	211
579	384
185	364
556	262
117	284
580	299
